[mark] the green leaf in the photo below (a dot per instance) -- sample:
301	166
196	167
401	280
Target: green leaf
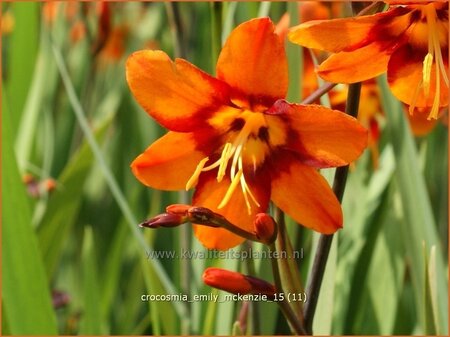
295	58
64	203
109	177
365	207
418	226
325	304
430	294
225	310
43	71
91	323
385	275
21	56
164	311
25	292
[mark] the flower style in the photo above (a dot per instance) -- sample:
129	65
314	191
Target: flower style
237	140
410	41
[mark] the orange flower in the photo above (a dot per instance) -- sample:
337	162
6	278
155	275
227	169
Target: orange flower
114	46
237	140
410	41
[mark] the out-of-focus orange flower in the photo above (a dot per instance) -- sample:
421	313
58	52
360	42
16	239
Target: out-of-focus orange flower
7	23
114	46
237	283
77	31
370	110
237	140
409	41
370	114
50	10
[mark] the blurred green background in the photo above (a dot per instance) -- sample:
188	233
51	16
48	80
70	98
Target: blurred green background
73	258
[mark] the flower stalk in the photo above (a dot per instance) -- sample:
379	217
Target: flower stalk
179	214
325	241
173	15
289	273
295	323
216	31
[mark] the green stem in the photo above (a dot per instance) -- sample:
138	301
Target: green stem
176	28
254	307
289	272
288	313
184	235
324	245
216	32
206	217
322	90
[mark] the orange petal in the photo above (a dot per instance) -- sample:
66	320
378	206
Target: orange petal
209	193
177	94
419	123
313	10
282	27
323	137
253	62
169	162
350	33
405	74
355	66
302	193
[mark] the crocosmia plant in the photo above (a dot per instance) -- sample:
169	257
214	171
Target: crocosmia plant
225	168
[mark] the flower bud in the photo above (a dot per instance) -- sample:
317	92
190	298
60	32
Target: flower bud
164	220
237	283
60	299
203	216
265	228
32	185
178	209
49	184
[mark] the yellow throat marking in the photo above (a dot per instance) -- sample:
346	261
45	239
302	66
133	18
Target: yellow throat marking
233	151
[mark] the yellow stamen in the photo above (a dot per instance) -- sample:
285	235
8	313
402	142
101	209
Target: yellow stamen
234	151
230	190
224	161
246	190
415	96
194	178
434	55
426	71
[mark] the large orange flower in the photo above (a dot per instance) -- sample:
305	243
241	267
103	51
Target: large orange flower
237	140
410	41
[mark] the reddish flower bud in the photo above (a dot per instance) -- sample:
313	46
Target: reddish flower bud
60	299
164	220
28	179
32	185
203	216
49	184
178	209
265	228
237	283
